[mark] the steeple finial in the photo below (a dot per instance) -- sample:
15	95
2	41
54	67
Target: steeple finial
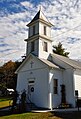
40	8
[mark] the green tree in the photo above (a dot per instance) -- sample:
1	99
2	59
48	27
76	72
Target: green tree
60	50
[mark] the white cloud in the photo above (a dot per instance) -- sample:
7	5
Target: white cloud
13	31
27	4
66	17
64	14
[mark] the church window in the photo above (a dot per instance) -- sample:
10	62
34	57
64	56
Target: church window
34	30
45	46
32	46
55	83
31	81
44	30
76	93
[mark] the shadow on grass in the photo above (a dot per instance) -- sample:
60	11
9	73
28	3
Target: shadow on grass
10	110
4	111
54	115
68	115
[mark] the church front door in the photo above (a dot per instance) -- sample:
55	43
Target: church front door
31	90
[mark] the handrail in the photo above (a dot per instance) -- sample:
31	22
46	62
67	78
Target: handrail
28	98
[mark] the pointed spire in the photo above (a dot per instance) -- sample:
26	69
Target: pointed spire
40	16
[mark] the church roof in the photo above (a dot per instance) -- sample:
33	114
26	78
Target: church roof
37	16
40	16
47	62
74	64
70	62
50	64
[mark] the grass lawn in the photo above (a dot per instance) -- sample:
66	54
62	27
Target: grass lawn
4	99
47	115
4	102
29	116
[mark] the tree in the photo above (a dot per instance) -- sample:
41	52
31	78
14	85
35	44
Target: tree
8	77
60	50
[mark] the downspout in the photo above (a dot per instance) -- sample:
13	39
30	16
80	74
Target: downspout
74	88
50	91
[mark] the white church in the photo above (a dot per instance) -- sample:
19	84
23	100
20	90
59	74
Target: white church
49	79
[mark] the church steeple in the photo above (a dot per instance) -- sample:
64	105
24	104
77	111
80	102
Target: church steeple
40	16
39	36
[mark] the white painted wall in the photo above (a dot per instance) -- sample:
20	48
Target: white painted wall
39	42
41	30
42	84
68	76
36	64
42	53
21	82
56	98
40	74
77	81
40	88
43	87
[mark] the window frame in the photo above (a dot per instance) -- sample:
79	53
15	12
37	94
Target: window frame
32	46
34	30
55	86
76	93
31	83
45	31
45	46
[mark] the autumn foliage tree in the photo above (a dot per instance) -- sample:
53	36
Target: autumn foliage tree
7	75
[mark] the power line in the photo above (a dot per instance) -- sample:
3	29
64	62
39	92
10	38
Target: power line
67	31
53	37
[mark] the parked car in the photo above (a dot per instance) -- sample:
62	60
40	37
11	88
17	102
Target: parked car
10	91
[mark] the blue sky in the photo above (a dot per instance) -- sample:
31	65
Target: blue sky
15	14
13	6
